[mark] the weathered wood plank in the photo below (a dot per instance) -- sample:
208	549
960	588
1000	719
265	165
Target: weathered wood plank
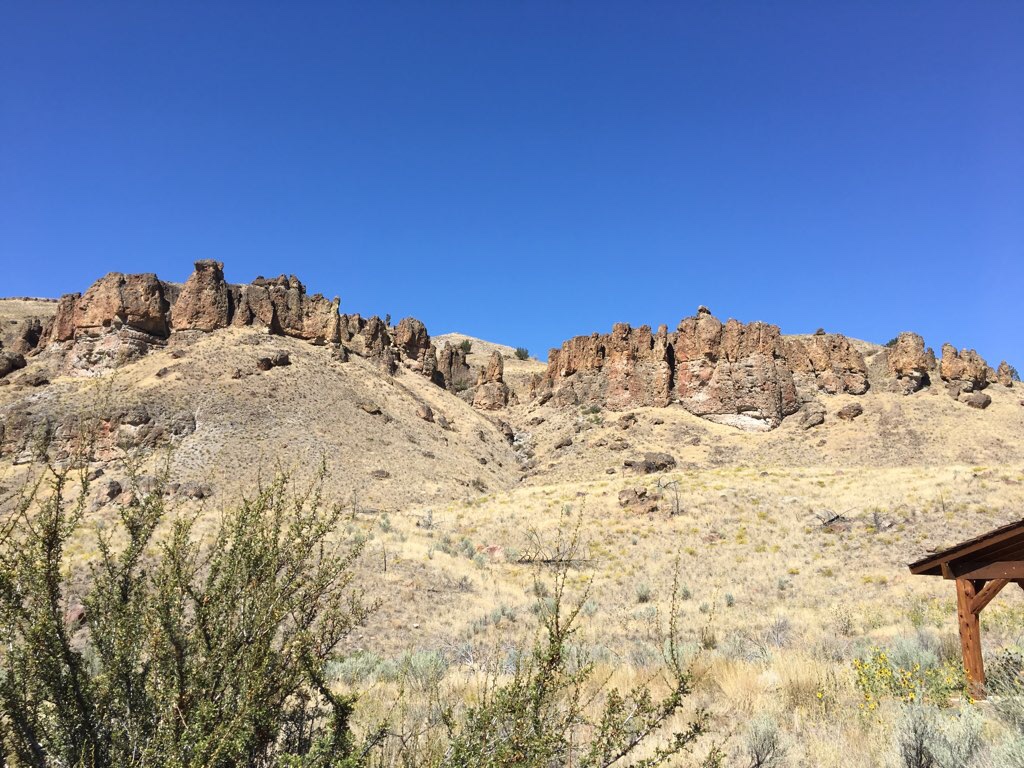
1006	569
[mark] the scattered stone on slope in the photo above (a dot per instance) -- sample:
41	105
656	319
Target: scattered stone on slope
425	412
651	462
10	362
978	400
813	414
850	412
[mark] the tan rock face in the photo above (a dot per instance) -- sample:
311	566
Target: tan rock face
136	302
828	361
452	369
491	391
964	371
141	307
412	338
910	362
1004	374
204	303
732	372
63	325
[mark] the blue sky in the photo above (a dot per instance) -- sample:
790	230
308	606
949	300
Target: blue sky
526	172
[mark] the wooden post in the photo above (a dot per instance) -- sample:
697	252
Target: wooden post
970	636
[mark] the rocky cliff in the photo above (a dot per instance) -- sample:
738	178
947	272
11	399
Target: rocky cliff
121	317
745	374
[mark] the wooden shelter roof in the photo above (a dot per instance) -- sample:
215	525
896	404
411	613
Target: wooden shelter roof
999	553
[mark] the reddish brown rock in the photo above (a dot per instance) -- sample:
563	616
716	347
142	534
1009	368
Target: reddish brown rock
828	362
452	368
964	371
204	303
115	301
412	338
732	373
910	363
10	362
491	391
63	326
1004	374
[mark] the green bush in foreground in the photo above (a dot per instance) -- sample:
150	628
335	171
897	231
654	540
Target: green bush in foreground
187	655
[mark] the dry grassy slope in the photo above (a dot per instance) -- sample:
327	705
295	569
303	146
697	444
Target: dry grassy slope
751	548
292	415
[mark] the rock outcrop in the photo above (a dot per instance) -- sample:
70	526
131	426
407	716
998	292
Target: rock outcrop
121	316
453	372
492	392
828	362
205	301
1004	374
731	372
910	363
964	371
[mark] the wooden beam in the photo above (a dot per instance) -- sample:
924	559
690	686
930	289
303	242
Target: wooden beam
1006	569
986	593
970	637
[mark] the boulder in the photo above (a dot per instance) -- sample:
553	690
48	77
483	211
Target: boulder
978	400
850	412
813	414
425	412
651	462
10	362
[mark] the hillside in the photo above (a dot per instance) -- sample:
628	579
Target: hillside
789	510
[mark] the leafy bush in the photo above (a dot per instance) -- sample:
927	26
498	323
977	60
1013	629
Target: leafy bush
892	342
182	653
522	353
539	717
466	346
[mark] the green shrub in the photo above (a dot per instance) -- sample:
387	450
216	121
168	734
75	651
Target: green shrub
536	719
522	353
184	653
466	346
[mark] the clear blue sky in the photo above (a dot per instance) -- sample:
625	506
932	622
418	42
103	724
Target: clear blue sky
526	172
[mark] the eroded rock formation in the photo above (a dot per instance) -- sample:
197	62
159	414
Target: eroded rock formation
964	371
829	362
121	316
731	372
910	363
492	392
